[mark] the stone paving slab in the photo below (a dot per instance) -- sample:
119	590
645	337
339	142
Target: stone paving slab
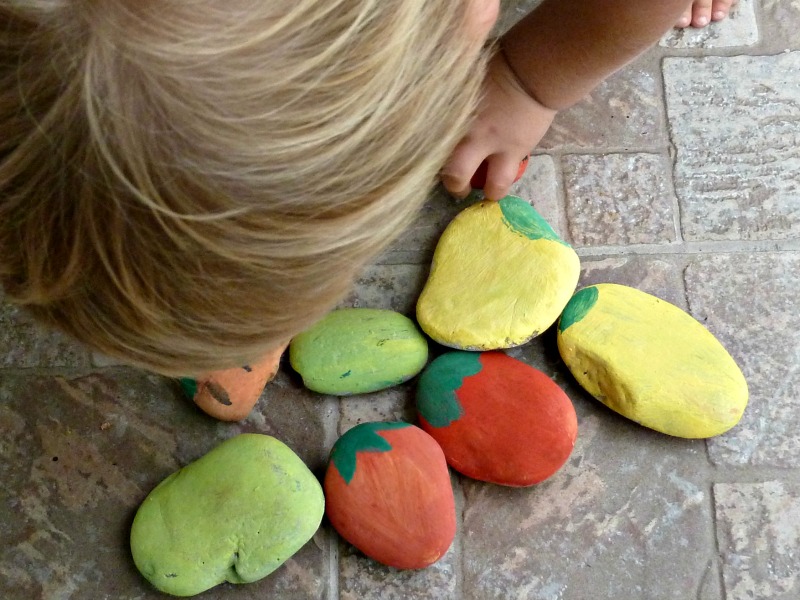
77	457
26	344
625	112
779	25
739	29
759	535
628	502
619	199
750	302
735	122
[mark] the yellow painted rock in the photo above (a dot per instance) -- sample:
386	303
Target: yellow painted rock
651	362
500	276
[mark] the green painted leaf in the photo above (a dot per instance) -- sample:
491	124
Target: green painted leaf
578	307
361	438
437	401
189	386
522	218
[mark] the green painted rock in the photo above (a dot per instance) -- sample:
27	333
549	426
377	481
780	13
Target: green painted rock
496	418
235	514
500	276
358	350
651	362
388	492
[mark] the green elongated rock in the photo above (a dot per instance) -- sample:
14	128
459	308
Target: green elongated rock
358	350
235	514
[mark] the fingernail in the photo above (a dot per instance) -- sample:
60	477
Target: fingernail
718	16
702	21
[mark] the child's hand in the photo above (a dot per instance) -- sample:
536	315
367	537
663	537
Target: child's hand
509	124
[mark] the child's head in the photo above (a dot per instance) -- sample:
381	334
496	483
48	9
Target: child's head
187	183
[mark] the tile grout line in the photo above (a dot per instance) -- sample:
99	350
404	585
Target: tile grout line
333	567
719	563
333	430
695	247
692	248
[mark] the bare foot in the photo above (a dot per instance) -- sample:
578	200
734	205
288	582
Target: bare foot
702	12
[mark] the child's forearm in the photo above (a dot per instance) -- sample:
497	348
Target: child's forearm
564	48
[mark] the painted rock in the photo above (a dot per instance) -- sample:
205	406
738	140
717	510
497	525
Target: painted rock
651	362
479	178
358	350
500	276
235	514
231	394
496	418
388	493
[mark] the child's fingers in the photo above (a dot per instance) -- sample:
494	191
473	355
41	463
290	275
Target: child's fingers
500	176
458	171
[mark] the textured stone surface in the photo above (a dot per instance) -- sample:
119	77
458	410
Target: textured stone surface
739	29
77	456
779	25
24	343
759	539
617	199
660	276
750	302
584	534
539	186
623	113
363	579
394	404
735	122
391	287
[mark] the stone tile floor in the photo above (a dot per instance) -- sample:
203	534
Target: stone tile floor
680	176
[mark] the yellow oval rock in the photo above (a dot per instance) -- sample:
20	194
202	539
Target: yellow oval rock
651	362
500	276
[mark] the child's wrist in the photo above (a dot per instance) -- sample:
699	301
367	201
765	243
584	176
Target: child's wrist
522	83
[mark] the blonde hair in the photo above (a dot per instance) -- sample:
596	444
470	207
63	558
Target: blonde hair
186	184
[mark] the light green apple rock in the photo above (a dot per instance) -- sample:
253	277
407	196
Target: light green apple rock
358	350
235	514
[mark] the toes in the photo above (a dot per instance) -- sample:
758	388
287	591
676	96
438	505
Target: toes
720	9
701	13
685	19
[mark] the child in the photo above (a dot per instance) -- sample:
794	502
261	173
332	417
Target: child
186	184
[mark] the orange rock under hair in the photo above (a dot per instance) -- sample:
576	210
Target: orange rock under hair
186	184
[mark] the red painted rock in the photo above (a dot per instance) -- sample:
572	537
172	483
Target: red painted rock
388	493
496	418
479	178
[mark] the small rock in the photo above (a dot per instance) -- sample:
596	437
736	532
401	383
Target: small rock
496	418
500	276
388	493
479	177
358	350
651	362
235	514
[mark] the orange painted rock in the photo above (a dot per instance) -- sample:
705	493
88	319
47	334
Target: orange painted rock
496	418
388	493
230	394
479	178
